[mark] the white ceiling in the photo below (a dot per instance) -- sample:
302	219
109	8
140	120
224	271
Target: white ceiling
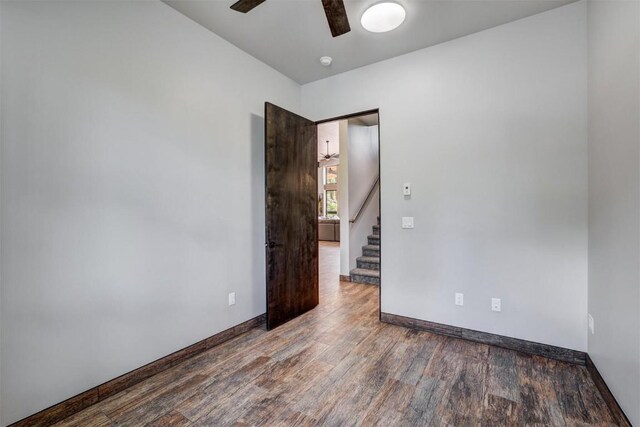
330	131
291	35
369	120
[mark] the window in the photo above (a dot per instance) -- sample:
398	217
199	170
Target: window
331	175
330	186
331	197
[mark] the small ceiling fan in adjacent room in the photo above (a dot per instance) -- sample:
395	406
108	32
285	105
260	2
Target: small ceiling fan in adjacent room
329	159
333	9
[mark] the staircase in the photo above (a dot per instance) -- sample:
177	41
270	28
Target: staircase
368	265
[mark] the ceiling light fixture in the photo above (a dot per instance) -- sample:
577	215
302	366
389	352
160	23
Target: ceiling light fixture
383	17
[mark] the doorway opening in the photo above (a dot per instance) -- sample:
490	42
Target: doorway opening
349	199
322	210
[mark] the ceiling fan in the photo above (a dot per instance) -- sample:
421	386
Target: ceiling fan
328	157
333	9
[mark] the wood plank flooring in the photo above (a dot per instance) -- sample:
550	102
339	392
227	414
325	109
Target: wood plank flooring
337	365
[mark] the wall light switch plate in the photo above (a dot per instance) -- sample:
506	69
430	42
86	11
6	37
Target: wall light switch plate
459	299
496	304
407	222
232	298
406	189
591	325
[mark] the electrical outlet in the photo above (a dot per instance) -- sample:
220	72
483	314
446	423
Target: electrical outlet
459	299
591	325
232	298
496	304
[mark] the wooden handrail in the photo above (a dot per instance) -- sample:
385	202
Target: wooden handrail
366	200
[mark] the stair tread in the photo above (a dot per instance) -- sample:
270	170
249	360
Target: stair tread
369	259
374	236
372	247
365	272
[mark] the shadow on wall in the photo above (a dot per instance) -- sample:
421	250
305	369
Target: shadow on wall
258	238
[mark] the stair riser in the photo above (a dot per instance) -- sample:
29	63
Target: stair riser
373	240
370	252
368	265
376	230
365	279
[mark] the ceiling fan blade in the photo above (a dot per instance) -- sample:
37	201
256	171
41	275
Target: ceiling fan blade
245	6
328	162
336	16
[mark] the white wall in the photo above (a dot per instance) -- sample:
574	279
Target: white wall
490	129
1	185
344	205
132	191
363	171
614	197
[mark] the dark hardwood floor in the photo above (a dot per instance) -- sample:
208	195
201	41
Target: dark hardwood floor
337	365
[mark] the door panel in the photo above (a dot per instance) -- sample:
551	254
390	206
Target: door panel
291	169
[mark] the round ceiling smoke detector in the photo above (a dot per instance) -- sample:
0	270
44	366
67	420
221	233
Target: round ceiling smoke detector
326	60
383	17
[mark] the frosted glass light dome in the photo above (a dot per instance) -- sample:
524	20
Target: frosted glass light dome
383	17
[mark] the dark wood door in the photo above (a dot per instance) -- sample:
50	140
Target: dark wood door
291	169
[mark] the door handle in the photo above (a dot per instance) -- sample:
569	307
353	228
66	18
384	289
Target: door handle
272	244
